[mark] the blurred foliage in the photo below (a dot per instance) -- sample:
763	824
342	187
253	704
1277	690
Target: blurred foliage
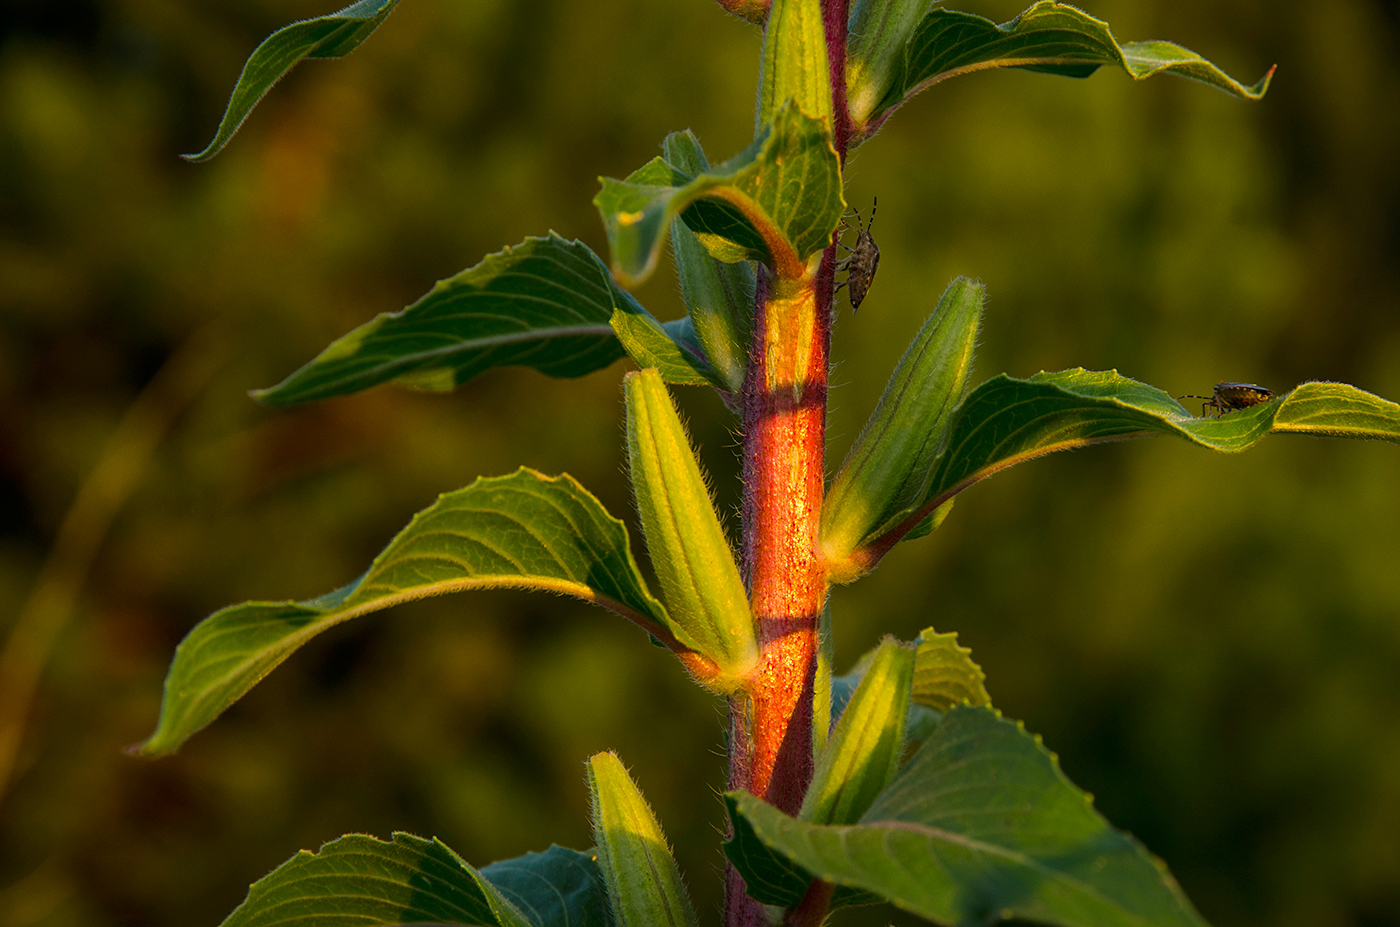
1211	643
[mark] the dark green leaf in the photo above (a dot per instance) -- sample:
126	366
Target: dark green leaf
545	303
1005	421
981	826
519	531
359	880
778	202
556	888
770	877
329	36
718	296
1051	37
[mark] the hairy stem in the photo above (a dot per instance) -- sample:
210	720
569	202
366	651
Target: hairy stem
835	14
784	408
784	421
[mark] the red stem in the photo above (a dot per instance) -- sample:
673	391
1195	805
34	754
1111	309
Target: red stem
835	14
784	407
784	422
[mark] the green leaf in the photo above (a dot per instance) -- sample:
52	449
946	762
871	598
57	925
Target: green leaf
359	880
556	888
545	303
650	343
944	674
700	582
769	876
865	748
794	66
331	36
777	201
644	885
719	297
979	826
524	531
1006	421
929	525
1050	37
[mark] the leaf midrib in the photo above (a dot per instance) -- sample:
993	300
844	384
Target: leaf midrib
1006	853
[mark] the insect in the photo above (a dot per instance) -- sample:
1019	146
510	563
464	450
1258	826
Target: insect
1231	397
864	259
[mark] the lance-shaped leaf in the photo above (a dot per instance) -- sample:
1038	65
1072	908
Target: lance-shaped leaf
1005	421
670	347
944	674
323	37
777	201
545	303
524	531
700	583
865	748
644	884
888	465
1051	37
794	65
981	825
358	879
719	297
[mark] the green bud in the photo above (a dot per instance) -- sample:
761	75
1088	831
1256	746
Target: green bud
794	65
718	295
644	885
700	583
890	462
865	748
879	31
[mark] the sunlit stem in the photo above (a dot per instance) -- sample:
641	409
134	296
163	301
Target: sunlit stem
784	436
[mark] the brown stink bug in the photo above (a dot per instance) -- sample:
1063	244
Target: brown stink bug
1231	397
864	259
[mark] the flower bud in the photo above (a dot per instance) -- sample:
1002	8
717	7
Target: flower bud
879	31
890	462
700	583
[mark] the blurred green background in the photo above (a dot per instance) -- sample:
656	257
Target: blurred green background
1211	643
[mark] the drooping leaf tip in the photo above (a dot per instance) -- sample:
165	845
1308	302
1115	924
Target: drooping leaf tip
1261	86
152	748
199	157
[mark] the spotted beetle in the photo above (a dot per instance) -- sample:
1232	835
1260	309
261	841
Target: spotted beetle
864	259
1231	397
